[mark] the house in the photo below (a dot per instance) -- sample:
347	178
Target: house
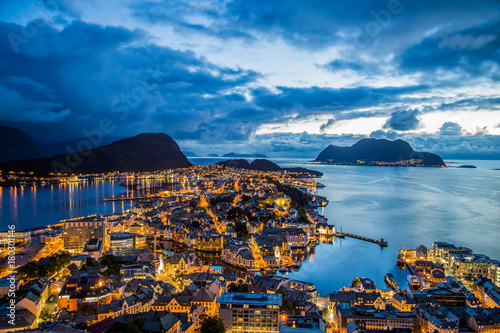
177	263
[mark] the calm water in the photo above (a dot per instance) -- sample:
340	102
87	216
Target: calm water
406	206
32	206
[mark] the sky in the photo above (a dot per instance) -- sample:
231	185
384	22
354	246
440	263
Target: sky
283	78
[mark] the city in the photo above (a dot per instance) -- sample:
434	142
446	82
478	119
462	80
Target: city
154	265
249	166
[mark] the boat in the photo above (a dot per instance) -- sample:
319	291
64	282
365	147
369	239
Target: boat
390	281
296	267
413	282
401	261
283	270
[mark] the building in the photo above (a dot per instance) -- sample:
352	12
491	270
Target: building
125	243
77	232
437	319
6	284
245	312
239	254
441	251
208	243
469	265
494	272
484	320
93	248
140	270
51	238
19	237
403	303
487	292
177	263
374	319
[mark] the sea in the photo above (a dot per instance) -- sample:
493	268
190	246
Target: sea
406	206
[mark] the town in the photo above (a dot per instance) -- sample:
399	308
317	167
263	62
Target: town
217	243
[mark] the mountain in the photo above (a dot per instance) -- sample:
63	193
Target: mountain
265	165
57	148
144	152
190	154
244	155
379	152
16	144
212	155
237	164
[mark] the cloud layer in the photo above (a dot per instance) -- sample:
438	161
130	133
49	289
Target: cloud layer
221	76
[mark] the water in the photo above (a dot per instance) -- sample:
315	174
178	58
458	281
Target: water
33	206
406	206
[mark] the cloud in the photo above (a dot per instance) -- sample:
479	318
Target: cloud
450	128
404	120
473	50
340	99
327	125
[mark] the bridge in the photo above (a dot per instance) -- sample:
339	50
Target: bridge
380	242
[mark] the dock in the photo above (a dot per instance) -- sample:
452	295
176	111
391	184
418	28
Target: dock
130	198
380	242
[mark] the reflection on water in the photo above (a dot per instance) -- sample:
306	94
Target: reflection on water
32	206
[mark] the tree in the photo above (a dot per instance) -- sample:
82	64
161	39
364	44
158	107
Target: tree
28	271
235	213
126	327
211	324
241	229
241	287
90	262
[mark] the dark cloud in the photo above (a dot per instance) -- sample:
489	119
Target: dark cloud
404	120
73	78
327	125
341	99
473	50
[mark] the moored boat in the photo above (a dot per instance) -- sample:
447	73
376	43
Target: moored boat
401	261
390	281
413	282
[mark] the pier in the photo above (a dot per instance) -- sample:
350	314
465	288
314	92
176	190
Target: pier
380	242
130	198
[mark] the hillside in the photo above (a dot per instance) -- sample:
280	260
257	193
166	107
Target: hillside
16	144
144	152
266	165
379	152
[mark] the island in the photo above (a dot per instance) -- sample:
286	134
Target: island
379	152
231	154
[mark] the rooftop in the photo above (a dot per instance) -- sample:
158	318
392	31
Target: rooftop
250	299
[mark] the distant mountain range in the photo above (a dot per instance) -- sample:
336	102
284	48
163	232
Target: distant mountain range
265	165
144	152
244	155
16	144
379	152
